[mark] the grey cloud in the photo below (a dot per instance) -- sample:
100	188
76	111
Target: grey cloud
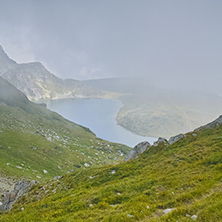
170	42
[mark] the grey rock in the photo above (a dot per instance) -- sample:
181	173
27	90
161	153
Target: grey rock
174	139
139	148
160	140
194	217
217	122
34	80
5	62
11	197
56	177
129	215
86	165
166	211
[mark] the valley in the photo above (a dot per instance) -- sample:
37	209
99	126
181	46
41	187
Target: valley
149	109
36	143
153	111
38	83
63	172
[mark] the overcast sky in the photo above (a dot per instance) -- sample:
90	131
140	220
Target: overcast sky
177	41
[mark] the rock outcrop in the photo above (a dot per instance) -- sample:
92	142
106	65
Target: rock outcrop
139	148
11	197
217	122
174	139
160	140
37	83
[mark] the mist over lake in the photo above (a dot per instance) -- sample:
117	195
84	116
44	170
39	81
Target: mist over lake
99	116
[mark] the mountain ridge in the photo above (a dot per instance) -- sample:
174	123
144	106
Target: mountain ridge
5	62
38	83
32	134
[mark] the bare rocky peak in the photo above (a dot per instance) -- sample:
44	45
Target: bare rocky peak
5	62
216	123
2	53
37	83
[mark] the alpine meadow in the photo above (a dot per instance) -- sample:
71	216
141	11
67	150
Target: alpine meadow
110	111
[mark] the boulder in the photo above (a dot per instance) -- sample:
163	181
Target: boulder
160	140
166	211
194	217
139	148
174	139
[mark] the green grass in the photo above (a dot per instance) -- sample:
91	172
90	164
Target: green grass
36	143
33	139
186	175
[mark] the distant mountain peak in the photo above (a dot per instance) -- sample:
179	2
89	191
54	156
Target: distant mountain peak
3	54
5	62
37	83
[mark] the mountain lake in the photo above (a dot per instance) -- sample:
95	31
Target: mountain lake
99	116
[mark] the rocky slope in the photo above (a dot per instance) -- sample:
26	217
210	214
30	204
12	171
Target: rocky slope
177	181
38	83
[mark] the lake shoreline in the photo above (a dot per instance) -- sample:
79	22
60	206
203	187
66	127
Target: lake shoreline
102	113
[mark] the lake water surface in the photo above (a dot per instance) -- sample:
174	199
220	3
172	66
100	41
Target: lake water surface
98	115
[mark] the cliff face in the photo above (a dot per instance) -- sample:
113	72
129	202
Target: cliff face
38	83
5	62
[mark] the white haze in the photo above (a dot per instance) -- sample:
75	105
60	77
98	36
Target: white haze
172	43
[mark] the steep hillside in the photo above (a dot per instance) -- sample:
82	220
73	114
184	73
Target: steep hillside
38	83
34	140
177	182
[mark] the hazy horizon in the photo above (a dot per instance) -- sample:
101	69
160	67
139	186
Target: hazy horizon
173	43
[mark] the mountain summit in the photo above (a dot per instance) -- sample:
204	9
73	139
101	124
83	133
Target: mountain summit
5	62
38	83
3	54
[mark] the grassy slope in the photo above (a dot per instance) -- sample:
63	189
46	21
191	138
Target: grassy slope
186	175
36	139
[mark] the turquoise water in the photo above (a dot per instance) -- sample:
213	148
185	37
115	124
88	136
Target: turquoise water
98	115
